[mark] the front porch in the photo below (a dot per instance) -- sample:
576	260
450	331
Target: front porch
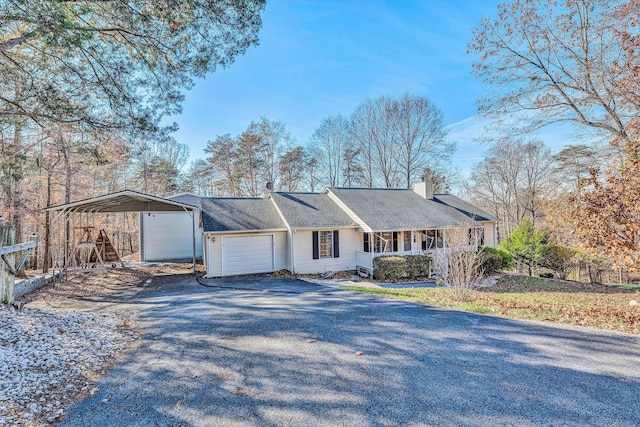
416	242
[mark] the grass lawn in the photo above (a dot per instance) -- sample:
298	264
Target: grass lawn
532	298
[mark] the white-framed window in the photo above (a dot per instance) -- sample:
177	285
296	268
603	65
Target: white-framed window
325	241
406	237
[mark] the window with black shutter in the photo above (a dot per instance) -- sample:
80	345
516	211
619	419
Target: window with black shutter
315	245
325	244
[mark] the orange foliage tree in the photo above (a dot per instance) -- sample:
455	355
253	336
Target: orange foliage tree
607	218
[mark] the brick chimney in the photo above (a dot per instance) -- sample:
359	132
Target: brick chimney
424	189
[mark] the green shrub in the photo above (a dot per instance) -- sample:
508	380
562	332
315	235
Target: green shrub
490	263
495	260
559	259
418	265
388	267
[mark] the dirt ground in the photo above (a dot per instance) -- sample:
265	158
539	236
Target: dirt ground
100	283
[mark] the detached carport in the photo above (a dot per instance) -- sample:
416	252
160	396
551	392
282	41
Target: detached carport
80	215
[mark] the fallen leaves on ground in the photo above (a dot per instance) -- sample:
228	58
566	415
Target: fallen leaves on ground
519	297
101	283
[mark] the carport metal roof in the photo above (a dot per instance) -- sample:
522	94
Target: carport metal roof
120	201
124	201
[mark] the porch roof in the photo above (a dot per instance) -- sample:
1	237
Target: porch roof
464	207
388	209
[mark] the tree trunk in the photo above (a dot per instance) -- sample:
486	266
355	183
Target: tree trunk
47	227
15	197
67	199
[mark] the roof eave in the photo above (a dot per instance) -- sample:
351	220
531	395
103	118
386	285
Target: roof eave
272	230
101	203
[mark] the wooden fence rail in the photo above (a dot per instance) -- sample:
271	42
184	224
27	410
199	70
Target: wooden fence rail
8	267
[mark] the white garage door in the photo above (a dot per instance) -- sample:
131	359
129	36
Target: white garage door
169	236
247	255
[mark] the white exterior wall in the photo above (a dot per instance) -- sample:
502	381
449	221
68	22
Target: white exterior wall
280	250
289	257
490	234
169	236
213	250
350	240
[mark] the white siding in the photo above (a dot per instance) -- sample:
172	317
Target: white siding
214	255
289	258
168	236
280	250
213	260
287	263
490	234
350	241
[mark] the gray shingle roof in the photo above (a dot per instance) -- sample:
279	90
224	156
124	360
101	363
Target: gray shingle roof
187	198
310	210
464	207
228	214
399	209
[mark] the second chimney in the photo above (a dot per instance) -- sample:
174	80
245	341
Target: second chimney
424	189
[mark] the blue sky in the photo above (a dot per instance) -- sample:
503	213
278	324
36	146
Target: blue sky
320	58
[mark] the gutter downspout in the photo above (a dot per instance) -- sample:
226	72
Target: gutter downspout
293	252
193	237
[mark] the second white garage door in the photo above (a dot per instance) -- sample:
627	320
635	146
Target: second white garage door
247	255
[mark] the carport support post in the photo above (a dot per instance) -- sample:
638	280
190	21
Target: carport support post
193	238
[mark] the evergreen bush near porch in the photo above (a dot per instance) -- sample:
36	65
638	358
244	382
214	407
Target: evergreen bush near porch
388	267
418	265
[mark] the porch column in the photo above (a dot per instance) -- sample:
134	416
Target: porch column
371	249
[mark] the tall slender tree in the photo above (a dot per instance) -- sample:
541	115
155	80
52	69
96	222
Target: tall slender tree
330	140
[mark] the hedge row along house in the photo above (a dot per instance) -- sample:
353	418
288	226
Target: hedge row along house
340	229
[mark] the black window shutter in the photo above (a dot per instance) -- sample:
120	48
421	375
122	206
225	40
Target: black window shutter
336	244
366	242
316	245
395	241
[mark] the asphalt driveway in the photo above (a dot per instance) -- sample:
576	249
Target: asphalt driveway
242	353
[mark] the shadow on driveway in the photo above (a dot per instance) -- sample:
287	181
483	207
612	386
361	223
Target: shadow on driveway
272	352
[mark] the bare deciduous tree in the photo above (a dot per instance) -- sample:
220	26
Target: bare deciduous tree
330	141
200	179
512	179
456	267
398	138
560	61
274	138
159	164
420	136
293	165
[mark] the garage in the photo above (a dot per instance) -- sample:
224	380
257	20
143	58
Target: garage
247	255
167	236
242	236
